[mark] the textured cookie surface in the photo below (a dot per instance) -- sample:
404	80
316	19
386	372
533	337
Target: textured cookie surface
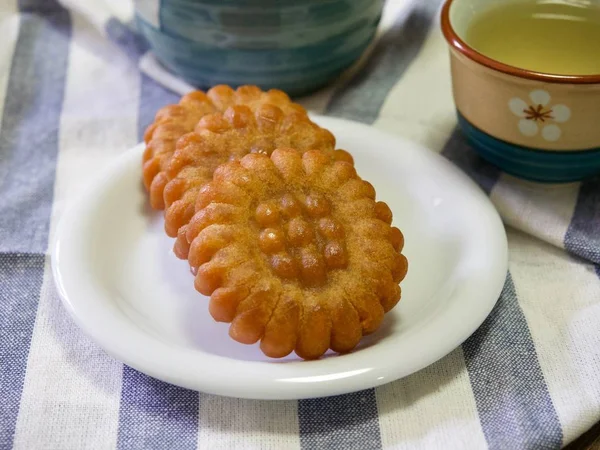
173	121
219	138
295	252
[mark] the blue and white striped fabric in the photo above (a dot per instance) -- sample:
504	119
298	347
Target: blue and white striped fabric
72	97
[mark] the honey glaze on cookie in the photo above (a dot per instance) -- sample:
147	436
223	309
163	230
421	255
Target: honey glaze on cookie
295	252
173	121
219	138
299	237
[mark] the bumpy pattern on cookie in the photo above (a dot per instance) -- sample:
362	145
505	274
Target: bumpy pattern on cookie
173	121
219	138
295	251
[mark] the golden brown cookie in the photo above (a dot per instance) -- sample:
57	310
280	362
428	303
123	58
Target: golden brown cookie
219	138
173	121
295	251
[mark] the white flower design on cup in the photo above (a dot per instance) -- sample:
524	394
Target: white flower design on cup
539	114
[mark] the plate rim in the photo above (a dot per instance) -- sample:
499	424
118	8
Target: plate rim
276	389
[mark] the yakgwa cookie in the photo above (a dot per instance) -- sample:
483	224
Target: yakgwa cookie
173	121
295	252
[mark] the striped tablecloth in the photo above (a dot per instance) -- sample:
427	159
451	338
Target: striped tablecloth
72	97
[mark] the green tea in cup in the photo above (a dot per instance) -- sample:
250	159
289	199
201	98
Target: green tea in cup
549	36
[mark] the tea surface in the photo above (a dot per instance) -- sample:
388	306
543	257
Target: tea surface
550	36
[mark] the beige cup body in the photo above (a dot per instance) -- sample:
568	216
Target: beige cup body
526	112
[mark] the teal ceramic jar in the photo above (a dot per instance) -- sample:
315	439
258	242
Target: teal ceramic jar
295	46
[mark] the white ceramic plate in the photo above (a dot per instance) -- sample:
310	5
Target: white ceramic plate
121	283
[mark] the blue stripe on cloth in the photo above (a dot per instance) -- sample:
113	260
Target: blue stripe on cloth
512	398
153	97
153	414
156	415
342	422
124	36
362	97
583	235
460	152
21	281
29	130
513	402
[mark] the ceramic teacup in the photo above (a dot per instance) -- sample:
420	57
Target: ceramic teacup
539	126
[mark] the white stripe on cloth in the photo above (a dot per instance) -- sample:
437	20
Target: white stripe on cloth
230	423
420	105
98	13
433	409
150	66
70	396
72	388
9	30
542	210
561	301
99	119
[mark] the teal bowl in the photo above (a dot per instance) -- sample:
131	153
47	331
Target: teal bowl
297	47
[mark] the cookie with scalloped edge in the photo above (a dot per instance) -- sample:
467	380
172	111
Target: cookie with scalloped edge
173	121
219	138
295	252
